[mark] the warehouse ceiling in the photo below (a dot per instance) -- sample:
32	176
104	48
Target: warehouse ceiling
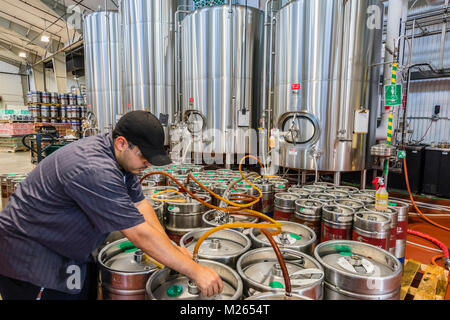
23	23
39	28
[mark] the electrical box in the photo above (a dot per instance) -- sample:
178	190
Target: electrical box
437	172
415	161
243	118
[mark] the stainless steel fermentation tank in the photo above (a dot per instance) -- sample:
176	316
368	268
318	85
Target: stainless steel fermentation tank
148	57
220	76
323	74
102	65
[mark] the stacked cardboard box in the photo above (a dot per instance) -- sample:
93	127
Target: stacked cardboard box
14	129
15	115
11	144
62	128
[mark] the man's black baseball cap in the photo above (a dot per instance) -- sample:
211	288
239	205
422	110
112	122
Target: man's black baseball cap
145	131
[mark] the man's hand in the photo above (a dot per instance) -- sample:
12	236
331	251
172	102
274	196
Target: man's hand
158	246
208	281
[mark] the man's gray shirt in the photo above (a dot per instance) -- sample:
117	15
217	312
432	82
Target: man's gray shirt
63	211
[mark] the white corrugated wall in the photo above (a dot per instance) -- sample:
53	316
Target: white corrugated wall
424	95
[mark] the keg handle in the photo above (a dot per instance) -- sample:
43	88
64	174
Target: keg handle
303	272
303	282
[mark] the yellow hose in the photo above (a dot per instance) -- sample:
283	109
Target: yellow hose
235	225
147	258
262	216
272	177
233	204
245	178
168	200
274	224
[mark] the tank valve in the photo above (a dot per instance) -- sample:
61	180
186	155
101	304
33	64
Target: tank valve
284	239
276	271
447	263
192	288
215	244
138	256
355	261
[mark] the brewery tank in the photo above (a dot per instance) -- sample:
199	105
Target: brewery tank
148	57
325	83
102	67
220	77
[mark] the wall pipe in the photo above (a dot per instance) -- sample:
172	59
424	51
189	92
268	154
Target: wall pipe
398	10
178	61
444	31
264	97
231	68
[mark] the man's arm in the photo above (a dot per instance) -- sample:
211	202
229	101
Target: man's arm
146	209
157	245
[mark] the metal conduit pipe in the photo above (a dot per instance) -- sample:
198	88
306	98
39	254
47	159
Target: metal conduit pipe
428	13
433	15
178	103
231	55
265	71
244	63
444	31
398	10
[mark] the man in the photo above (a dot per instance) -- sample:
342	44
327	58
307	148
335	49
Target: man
73	199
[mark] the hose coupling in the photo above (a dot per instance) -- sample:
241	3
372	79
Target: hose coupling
195	257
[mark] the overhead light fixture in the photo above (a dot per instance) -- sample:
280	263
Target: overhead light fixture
45	38
22	54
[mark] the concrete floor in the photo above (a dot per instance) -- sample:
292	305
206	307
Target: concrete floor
19	162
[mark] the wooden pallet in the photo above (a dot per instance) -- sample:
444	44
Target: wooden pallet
13	150
16	121
423	282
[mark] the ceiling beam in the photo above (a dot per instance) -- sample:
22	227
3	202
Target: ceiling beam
15	49
65	13
31	35
8	60
59	8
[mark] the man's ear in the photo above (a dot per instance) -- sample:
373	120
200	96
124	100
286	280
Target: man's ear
121	143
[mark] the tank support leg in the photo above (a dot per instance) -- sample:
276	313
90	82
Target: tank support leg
337	178
363	179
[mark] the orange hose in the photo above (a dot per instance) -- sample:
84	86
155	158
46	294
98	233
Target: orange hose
287	280
230	209
414	203
235	225
223	199
435	258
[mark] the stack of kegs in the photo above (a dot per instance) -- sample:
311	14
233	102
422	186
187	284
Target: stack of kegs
74	114
346	213
51	107
34	104
331	212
